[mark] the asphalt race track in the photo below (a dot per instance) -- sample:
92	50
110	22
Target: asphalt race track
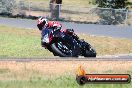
66	59
92	29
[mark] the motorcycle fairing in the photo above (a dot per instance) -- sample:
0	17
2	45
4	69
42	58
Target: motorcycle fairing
46	37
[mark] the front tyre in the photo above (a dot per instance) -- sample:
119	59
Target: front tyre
63	49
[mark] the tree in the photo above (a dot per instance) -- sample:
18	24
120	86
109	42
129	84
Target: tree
128	4
110	15
7	6
55	8
116	4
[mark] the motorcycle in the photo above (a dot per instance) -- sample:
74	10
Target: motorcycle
65	45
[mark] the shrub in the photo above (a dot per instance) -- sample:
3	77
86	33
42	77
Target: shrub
111	16
116	4
7	6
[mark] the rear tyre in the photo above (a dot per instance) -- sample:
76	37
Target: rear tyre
90	52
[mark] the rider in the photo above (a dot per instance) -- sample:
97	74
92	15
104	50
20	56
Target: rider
43	23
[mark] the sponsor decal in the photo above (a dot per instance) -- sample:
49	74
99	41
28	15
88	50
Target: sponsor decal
83	78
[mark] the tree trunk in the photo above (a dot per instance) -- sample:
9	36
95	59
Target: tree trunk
55	8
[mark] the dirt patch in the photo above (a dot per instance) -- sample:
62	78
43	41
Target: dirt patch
23	70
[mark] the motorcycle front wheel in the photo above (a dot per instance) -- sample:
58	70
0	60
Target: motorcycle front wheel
63	49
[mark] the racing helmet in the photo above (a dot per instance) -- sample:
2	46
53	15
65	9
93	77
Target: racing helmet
42	22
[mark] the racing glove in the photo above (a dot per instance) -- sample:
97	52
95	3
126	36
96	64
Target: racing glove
70	31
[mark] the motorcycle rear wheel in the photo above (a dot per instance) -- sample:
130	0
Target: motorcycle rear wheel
90	52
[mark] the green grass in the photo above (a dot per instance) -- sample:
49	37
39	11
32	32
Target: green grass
60	82
17	42
14	75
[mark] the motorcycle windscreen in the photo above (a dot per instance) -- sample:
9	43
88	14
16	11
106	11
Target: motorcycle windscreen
45	35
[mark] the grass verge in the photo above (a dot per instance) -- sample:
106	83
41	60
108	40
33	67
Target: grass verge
17	42
49	74
61	82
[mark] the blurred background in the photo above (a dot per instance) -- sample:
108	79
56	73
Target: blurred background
85	11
